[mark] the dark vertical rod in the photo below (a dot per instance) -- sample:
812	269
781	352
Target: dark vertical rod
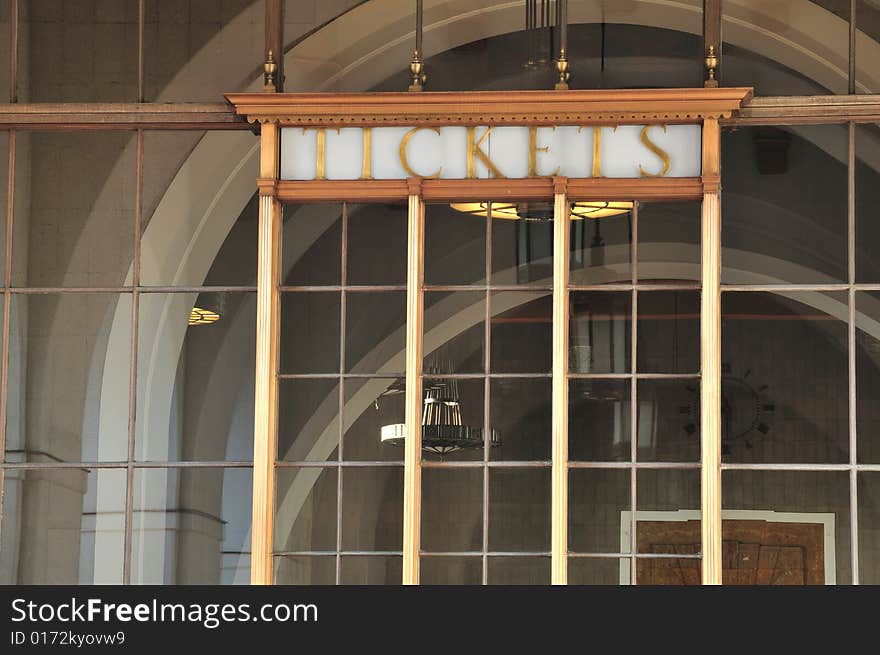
7	298
13	51
132	380
419	28
275	39
634	397
140	61
487	424
342	330
712	35
563	25
851	355
853	26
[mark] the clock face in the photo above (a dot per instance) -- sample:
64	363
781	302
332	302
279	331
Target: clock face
746	411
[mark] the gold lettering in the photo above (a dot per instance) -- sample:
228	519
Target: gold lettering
367	166
534	150
597	152
404	142
657	150
474	150
321	152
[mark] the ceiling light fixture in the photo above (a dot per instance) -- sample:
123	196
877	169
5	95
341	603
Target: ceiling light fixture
199	316
543	211
443	430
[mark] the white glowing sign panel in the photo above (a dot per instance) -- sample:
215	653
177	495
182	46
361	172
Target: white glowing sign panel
393	153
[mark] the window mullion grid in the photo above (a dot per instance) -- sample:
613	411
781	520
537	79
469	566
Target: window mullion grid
851	343
133	364
634	404
343	297
487	427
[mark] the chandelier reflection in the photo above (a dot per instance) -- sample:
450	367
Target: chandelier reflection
443	429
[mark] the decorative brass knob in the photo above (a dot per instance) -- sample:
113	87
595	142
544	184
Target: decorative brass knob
269	70
564	72
711	64
417	69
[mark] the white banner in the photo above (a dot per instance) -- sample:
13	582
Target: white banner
393	153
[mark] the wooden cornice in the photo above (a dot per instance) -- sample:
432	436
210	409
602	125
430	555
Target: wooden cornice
119	115
607	107
793	110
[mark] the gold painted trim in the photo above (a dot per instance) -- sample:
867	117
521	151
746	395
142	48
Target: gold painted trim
266	376
559	432
710	361
412	471
669	188
433	108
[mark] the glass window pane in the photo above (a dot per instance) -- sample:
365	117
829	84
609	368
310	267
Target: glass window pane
191	526
82	233
599	419
668	571
305	509
372	570
4	180
311	249
451	570
374	418
519	509
601	249
598	571
867	200
867	46
305	569
669	420
669	241
310	332
452	420
195	376
669	332
452	510
786	47
522	331
522	250
600	331
519	570
796	524
455	246
775	230
197	229
377	244
520	414
375	332
308	419
869	527
5	51
599	504
63	526
84	51
454	332
69	378
868	376
372	508
785	379
196	52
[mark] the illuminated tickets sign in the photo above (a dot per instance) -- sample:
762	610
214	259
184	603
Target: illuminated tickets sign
456	153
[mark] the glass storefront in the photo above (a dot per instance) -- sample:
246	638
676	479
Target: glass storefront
131	309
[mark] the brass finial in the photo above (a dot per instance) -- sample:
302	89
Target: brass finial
269	70
417	69
564	73
711	65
